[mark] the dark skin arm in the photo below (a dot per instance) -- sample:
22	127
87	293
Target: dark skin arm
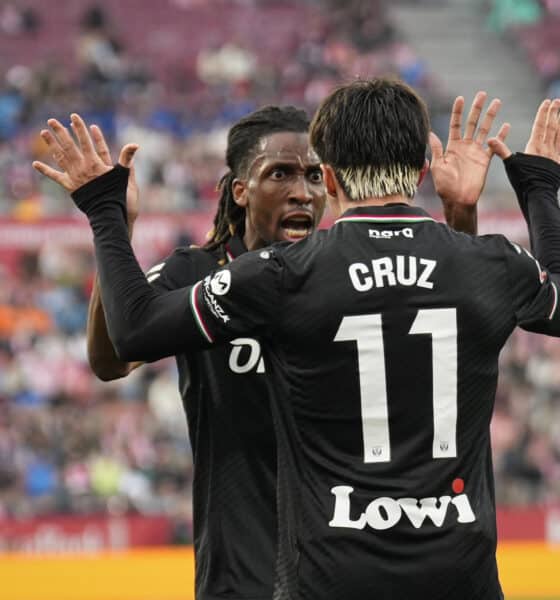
101	353
102	357
459	172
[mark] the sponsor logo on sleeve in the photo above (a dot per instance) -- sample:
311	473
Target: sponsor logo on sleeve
209	285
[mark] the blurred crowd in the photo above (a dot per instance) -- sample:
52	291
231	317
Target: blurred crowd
533	26
173	77
153	78
69	443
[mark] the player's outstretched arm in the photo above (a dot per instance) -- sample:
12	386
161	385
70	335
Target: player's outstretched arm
535	177
459	172
101	353
102	357
142	323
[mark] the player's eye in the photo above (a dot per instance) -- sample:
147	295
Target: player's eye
316	176
278	174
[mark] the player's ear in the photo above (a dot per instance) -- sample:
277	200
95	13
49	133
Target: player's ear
329	179
239	191
423	172
332	188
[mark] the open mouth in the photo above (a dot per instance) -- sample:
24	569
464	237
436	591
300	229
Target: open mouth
297	227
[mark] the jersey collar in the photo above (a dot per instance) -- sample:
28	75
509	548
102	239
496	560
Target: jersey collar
234	247
396	213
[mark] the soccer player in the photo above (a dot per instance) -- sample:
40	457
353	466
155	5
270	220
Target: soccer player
273	191
318	305
270	145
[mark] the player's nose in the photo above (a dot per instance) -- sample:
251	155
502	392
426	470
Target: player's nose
301	192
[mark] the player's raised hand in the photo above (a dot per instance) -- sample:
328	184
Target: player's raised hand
79	161
125	159
545	135
459	172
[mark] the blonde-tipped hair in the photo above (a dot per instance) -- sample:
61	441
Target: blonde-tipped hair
361	183
373	133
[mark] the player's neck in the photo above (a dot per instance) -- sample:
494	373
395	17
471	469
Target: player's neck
345	204
252	240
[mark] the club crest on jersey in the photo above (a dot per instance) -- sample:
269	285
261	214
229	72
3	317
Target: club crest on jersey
385	513
221	282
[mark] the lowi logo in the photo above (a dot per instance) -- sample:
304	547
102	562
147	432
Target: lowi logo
384	512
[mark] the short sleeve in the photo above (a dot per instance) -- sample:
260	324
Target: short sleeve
240	299
534	292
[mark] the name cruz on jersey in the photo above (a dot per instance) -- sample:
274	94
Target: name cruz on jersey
391	271
384	513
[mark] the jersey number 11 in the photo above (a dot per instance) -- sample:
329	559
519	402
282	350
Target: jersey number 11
367	332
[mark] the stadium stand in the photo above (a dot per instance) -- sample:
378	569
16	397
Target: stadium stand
539	38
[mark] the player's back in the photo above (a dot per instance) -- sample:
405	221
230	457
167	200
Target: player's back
390	354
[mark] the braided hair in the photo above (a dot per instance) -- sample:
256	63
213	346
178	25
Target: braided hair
242	142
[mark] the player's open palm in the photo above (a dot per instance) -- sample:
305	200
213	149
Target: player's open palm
545	135
125	159
459	172
78	159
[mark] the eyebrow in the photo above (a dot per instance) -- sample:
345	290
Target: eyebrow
290	163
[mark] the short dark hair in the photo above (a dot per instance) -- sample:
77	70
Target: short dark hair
242	145
374	135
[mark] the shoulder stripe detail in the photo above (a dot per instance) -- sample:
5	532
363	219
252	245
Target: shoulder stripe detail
555	304
515	246
152	277
198	314
542	274
229	255
383	218
155	269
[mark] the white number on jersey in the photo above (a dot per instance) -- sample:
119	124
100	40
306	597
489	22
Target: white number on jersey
367	332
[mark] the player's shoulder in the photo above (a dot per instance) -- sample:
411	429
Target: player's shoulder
308	245
294	262
262	259
487	243
195	255
496	251
184	266
496	242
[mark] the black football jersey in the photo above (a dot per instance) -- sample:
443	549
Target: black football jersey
228	413
381	339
